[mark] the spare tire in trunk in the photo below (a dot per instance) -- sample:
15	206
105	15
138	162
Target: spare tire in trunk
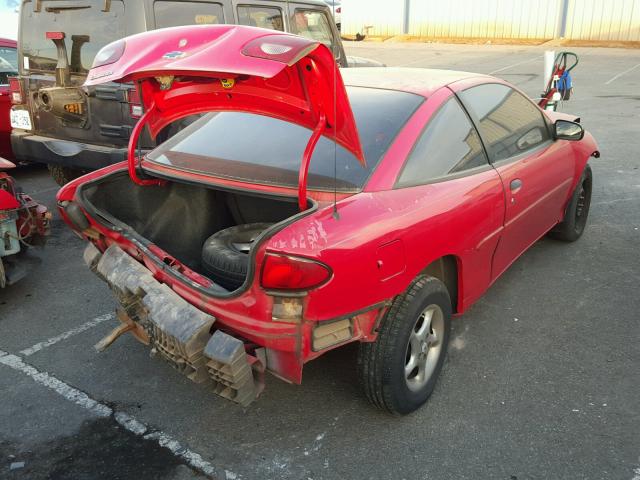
225	254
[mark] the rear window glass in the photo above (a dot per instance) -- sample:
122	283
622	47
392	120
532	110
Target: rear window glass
263	17
259	149
87	29
10	56
173	13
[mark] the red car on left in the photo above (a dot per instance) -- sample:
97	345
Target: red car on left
23	221
8	68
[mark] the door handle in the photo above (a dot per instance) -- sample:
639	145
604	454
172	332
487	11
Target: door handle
515	184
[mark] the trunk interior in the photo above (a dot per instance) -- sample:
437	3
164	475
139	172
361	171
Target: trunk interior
179	217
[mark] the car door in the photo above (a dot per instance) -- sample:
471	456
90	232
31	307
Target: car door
457	195
536	172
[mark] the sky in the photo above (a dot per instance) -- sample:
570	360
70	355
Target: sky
9	18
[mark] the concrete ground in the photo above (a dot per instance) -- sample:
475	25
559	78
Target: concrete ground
542	380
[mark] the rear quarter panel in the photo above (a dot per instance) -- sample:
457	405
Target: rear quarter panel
460	217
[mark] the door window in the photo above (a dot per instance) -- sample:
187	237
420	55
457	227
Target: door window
449	145
314	25
259	16
510	124
173	13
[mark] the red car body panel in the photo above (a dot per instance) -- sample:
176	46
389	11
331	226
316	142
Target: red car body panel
5	107
297	85
383	237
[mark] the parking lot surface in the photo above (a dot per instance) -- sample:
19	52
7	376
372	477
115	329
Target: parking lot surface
542	380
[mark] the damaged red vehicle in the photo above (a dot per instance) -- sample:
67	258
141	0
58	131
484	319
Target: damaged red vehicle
308	208
23	223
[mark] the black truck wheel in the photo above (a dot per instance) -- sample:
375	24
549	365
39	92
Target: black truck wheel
63	175
398	371
225	254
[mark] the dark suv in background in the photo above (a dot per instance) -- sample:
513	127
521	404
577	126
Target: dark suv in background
73	131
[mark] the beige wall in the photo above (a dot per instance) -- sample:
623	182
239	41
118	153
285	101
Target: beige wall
542	19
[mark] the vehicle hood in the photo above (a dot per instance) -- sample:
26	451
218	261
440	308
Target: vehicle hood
187	70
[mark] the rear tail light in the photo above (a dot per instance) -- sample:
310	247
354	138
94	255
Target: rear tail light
339	9
15	87
109	54
280	48
285	272
135	105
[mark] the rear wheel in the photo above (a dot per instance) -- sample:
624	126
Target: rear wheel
63	175
398	371
575	217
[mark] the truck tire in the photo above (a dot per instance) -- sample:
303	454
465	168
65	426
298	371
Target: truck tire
225	254
63	175
574	222
398	371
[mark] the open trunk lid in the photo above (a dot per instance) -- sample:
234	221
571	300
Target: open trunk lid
183	71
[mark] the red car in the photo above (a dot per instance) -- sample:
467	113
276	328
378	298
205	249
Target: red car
8	68
310	207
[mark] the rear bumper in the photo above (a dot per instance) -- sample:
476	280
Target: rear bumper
35	148
177	331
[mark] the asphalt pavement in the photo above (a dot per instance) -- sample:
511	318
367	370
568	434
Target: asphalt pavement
542	380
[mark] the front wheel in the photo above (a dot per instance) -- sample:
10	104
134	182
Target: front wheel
398	371
574	222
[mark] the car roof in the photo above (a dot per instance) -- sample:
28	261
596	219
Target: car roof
421	81
7	42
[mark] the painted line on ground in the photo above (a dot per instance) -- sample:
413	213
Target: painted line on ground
516	64
191	458
615	77
63	336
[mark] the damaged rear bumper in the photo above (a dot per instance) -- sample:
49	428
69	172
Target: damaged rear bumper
176	330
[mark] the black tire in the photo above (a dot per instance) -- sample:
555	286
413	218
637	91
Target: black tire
381	364
574	222
225	254
63	175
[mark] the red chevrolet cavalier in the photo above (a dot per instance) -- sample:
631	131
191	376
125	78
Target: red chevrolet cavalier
308	207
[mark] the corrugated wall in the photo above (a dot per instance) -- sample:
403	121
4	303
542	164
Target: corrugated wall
586	19
484	18
603	20
384	17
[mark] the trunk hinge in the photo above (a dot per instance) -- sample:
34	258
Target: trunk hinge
131	153
321	126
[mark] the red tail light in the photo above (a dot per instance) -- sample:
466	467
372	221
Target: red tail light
281	48
284	272
135	105
15	87
339	9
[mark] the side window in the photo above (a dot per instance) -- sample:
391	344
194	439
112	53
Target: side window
259	16
449	144
171	13
314	25
509	123
9	55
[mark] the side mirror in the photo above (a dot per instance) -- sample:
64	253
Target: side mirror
566	130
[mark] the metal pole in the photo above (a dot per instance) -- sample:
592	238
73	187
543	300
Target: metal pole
405	20
563	18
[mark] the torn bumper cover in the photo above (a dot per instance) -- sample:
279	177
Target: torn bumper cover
176	330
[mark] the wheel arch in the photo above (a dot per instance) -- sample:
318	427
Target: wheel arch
447	269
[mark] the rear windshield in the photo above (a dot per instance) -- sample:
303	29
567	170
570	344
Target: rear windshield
86	27
259	149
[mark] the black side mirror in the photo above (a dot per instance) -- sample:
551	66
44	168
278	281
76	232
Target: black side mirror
566	130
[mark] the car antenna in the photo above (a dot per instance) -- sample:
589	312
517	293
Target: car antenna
335	122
